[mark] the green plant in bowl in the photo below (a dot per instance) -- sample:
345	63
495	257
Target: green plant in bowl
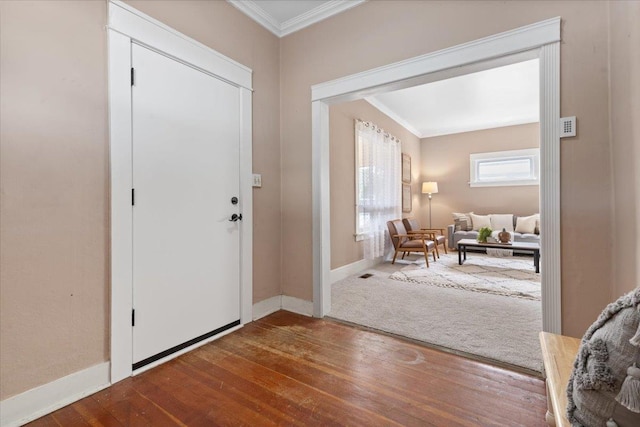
483	233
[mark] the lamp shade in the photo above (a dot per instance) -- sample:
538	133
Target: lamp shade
430	187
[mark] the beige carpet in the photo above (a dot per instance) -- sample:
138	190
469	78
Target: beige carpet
507	276
489	325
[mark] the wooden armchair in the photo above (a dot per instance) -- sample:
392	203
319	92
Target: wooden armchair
403	242
436	234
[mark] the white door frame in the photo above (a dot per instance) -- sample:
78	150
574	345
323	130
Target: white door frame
541	40
126	25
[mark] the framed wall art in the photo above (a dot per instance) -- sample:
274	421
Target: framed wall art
406	168
406	198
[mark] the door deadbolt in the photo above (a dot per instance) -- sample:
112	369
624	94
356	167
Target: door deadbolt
234	200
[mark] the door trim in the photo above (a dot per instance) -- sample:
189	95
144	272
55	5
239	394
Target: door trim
542	40
126	25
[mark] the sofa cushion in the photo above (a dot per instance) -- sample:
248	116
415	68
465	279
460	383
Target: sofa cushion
462	221
466	234
526	237
480	221
526	224
500	221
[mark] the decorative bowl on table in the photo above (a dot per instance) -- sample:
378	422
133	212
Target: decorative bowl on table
504	237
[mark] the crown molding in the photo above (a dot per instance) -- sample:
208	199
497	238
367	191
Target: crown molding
493	124
317	14
255	12
497	123
252	9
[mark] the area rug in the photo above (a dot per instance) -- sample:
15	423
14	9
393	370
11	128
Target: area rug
488	326
507	276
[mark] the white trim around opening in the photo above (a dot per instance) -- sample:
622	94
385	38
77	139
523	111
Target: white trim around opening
540	40
127	25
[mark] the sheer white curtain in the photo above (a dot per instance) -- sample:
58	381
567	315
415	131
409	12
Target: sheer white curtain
378	186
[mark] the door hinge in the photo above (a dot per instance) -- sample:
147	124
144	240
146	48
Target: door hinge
133	197
132	77
133	317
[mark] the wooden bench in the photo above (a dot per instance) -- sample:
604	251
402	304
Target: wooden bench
558	354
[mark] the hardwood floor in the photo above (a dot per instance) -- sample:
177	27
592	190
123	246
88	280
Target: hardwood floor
287	369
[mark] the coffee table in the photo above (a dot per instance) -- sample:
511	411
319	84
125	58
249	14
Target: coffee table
534	248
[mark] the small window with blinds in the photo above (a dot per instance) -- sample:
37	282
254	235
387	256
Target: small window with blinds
505	168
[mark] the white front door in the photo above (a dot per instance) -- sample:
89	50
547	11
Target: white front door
186	283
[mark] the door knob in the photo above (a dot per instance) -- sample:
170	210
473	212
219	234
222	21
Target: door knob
235	217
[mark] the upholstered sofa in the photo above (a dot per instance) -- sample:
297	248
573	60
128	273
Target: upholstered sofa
525	229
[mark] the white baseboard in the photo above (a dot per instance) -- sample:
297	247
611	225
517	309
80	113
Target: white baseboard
297	305
32	404
353	268
282	302
266	307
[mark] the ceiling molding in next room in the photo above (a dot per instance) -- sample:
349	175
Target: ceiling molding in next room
505	95
392	114
285	17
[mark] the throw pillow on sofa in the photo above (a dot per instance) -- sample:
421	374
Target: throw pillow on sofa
527	224
500	221
462	221
604	386
480	221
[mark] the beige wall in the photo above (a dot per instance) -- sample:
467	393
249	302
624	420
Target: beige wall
344	249
54	261
624	45
381	32
54	168
445	159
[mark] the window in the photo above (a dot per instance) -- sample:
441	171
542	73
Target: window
502	168
378	185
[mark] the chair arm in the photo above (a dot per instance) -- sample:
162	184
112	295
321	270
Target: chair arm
433	230
414	235
426	234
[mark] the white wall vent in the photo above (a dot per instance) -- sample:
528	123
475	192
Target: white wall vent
567	126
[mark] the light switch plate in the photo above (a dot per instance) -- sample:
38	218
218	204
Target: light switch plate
257	180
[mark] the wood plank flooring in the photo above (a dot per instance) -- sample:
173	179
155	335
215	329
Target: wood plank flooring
287	369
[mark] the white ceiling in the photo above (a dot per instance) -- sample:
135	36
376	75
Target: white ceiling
283	17
503	96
